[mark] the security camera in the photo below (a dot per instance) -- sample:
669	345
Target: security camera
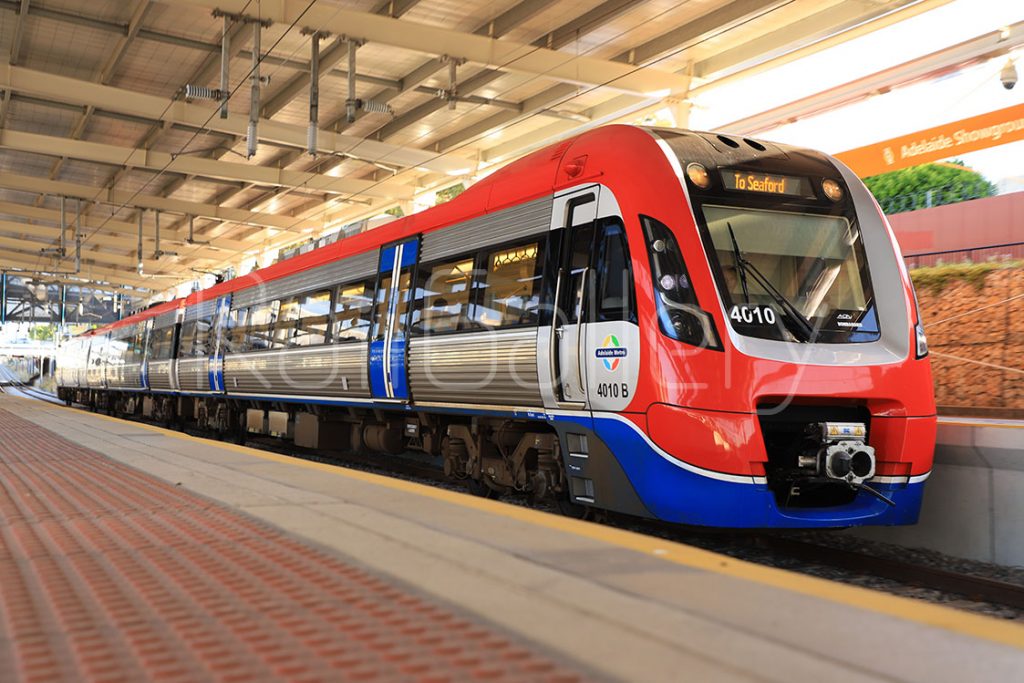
1008	76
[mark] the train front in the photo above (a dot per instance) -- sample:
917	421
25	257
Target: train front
790	374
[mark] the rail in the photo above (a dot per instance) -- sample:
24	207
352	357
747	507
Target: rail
973	587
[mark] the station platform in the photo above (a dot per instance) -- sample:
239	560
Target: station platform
129	552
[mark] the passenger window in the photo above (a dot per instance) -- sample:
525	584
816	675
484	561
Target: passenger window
161	343
261	326
204	338
442	297
314	313
352	312
510	284
235	333
287	316
187	339
382	318
615	292
380	305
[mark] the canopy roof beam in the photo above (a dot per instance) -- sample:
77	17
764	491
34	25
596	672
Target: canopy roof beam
433	40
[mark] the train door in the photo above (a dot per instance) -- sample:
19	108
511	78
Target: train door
175	342
146	341
216	342
611	348
388	374
569	319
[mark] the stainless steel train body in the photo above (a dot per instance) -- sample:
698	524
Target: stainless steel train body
520	334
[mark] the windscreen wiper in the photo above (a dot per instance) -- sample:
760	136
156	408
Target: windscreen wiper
740	268
801	324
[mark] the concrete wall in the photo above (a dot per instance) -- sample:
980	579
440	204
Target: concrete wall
974	500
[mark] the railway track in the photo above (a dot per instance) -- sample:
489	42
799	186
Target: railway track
28	391
785	549
976	588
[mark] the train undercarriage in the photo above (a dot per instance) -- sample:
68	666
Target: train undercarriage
493	456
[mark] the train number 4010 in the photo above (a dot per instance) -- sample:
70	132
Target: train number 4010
613	390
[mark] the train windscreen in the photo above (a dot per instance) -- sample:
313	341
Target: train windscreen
792	276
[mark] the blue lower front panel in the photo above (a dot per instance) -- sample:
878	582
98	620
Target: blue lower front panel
674	494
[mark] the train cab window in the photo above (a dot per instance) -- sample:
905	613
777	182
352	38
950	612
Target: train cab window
234	335
259	336
352	308
287	317
441	299
314	314
511	285
615	292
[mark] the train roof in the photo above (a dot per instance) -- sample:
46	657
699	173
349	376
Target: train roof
527	178
151	312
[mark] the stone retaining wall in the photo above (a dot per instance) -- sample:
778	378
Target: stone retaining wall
975	328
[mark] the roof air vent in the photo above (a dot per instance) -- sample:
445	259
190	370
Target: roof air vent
729	141
755	144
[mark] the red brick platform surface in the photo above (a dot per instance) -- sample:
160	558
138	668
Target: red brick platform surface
109	574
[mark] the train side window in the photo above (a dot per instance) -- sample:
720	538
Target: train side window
204	337
314	313
679	314
259	336
616	299
442	297
186	342
287	317
162	343
234	336
510	285
578	261
352	308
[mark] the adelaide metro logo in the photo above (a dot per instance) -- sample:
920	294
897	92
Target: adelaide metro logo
610	353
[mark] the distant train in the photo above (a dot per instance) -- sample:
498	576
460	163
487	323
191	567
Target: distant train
693	327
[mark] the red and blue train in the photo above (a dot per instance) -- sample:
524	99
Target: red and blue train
699	328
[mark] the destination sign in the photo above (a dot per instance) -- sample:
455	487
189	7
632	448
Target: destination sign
747	181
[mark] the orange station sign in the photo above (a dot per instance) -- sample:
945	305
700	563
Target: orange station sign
941	142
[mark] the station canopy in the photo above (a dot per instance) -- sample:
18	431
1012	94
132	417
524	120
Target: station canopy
119	131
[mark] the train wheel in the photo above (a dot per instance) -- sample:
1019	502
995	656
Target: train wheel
479	488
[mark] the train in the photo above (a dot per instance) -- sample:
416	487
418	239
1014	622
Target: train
693	327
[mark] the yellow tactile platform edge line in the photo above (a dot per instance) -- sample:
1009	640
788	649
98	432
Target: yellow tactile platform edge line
966	623
968	423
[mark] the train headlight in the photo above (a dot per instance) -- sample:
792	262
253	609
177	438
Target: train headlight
921	339
698	175
832	189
